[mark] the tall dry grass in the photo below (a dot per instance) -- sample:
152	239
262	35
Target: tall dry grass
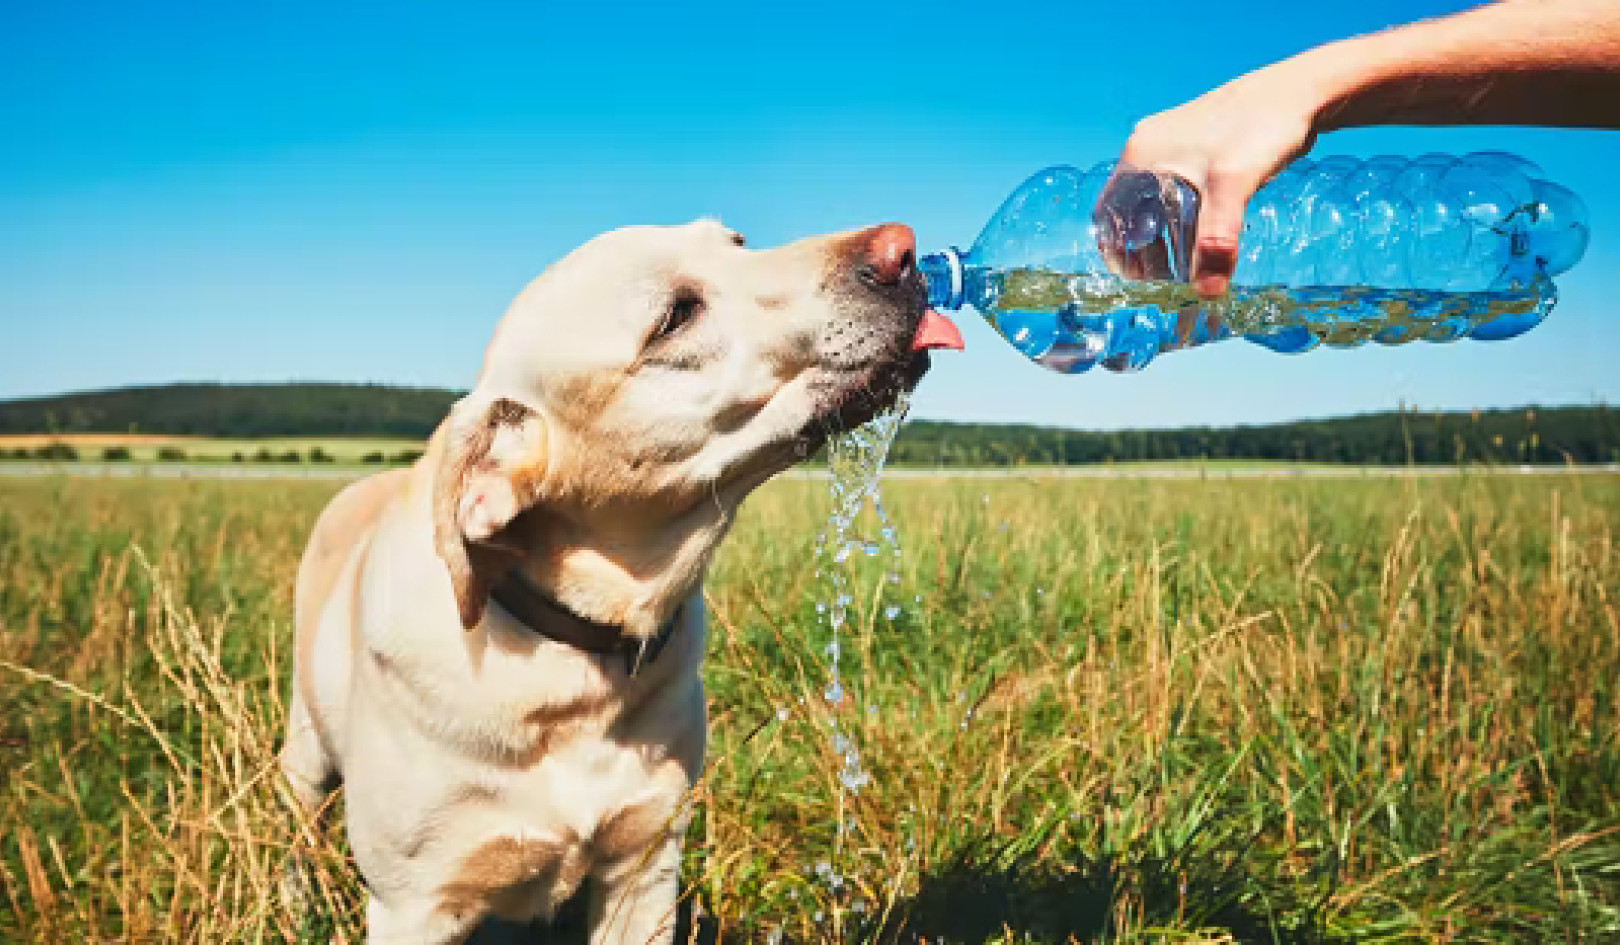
1139	711
143	652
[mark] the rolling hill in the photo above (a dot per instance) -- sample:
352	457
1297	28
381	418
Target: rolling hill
236	411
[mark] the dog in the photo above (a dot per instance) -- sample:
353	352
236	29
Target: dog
498	648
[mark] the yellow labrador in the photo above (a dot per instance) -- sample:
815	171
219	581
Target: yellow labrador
498	648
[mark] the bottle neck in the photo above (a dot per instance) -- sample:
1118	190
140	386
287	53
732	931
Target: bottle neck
943	272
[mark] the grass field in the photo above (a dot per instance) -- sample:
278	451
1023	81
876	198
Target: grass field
1288	711
92	447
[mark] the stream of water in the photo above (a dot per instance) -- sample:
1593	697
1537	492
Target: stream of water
855	460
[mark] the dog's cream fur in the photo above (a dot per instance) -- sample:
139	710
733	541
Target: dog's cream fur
602	453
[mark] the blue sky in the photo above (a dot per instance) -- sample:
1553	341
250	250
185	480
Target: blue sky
325	191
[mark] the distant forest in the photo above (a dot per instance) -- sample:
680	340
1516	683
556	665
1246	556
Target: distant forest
1528	435
236	410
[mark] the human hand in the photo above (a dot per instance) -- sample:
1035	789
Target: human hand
1225	144
1540	62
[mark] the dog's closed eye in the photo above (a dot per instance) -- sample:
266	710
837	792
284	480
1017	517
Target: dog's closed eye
685	305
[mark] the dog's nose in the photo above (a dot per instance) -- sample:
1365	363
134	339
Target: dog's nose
891	250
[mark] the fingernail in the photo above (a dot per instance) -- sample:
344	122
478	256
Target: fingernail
1210	286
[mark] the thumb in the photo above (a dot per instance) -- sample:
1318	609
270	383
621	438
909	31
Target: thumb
1219	233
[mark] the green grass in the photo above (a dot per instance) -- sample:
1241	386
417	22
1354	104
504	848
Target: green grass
1130	710
1221	464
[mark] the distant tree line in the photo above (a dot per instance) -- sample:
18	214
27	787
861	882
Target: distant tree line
1529	435
1588	434
246	411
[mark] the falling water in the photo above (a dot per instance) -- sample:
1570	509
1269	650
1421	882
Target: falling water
855	460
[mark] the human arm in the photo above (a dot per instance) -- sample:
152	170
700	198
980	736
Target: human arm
1532	62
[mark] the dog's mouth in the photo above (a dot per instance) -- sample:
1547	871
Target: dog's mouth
877	391
854	397
876	346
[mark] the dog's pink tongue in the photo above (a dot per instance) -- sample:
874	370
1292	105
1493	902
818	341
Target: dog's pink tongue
936	331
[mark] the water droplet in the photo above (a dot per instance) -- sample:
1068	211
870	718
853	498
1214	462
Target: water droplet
890	612
831	649
782	714
834	693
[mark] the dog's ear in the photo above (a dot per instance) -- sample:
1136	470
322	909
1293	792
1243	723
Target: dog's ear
490	468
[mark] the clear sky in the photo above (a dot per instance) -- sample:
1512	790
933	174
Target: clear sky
333	191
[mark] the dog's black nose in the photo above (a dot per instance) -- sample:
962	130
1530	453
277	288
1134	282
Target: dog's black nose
891	251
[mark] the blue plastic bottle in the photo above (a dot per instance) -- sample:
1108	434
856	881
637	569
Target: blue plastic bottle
1080	268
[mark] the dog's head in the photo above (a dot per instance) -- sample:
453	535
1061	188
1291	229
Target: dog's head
643	385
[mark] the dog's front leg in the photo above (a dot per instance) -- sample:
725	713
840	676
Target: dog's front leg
633	901
417	921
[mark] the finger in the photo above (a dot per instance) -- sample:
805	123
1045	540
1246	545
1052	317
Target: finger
1220	232
1129	219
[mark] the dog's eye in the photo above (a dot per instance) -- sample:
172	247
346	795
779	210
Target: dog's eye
683	308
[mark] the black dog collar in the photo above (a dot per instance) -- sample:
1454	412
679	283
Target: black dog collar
550	619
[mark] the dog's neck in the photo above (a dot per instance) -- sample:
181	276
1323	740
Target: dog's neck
634	573
537	610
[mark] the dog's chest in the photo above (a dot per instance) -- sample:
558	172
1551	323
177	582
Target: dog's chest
523	841
508	697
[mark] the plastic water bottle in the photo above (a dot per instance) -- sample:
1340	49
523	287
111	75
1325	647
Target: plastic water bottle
1080	267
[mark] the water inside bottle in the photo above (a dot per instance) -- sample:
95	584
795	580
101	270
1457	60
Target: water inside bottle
1069	322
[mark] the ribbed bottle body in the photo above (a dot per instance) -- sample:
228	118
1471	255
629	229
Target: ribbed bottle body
1080	268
